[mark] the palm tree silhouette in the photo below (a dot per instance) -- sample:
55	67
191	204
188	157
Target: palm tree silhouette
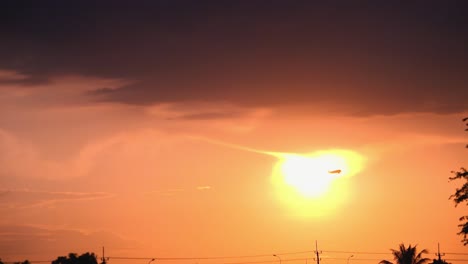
407	256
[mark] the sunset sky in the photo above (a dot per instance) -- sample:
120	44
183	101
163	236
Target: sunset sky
189	129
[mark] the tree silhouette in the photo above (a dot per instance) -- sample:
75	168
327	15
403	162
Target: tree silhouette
73	258
439	261
407	256
461	196
1	261
24	262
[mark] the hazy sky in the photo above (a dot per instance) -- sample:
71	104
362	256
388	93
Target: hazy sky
136	125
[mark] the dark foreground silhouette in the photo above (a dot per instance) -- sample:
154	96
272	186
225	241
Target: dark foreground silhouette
73	258
407	255
461	195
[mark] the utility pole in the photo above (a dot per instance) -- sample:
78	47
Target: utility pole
317	252
103	257
438	253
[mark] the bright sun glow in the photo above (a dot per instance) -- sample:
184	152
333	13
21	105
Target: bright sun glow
312	176
315	183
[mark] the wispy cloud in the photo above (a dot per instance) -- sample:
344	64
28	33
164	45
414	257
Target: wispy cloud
167	192
176	191
25	198
203	188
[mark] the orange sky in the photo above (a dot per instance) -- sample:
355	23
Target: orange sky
148	129
145	185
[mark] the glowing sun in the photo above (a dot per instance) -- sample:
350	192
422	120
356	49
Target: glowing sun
312	176
315	180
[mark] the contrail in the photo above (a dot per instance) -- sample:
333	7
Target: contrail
278	155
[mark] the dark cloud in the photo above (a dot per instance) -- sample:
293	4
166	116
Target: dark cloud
31	80
384	57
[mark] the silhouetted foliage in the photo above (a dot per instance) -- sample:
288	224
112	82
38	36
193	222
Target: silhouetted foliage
24	262
73	258
461	196
439	261
407	256
1	261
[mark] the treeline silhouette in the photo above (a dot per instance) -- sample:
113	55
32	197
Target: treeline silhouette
86	258
18	262
72	258
403	255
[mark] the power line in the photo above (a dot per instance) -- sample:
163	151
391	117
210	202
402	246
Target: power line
215	257
353	258
206	258
357	252
315	252
291	260
267	261
188	258
384	253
